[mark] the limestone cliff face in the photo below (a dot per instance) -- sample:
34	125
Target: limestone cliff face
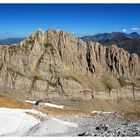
56	64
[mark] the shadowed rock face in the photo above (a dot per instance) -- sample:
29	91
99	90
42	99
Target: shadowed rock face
56	64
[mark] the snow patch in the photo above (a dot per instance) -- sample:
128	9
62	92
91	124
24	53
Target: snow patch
96	112
55	106
32	102
70	124
52	127
16	122
99	112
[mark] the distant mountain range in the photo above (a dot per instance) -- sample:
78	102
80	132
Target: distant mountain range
130	42
11	41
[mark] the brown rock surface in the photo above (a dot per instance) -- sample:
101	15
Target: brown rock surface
56	64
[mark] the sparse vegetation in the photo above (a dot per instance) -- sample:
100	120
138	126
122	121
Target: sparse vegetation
109	87
36	77
26	47
53	84
73	78
17	72
31	40
47	44
16	46
122	82
126	82
50	46
110	82
28	44
138	79
50	70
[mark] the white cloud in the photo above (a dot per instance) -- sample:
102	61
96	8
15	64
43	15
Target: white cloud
124	30
135	29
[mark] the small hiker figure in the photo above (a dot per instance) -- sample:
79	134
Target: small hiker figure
39	104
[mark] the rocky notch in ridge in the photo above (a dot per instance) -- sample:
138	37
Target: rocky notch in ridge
56	64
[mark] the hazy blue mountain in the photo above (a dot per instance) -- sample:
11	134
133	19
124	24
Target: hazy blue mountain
134	35
130	42
11	40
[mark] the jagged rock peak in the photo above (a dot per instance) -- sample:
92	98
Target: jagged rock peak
42	35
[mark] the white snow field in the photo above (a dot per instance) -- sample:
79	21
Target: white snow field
55	106
52	127
99	112
16	122
47	104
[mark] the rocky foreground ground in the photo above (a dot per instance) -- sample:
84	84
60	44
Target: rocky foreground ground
20	119
101	124
29	122
105	124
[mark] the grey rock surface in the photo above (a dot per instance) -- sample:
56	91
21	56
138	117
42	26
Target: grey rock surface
105	125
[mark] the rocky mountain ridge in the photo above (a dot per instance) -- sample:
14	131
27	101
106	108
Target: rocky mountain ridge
56	64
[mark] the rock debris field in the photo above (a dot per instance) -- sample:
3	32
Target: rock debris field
105	124
28	122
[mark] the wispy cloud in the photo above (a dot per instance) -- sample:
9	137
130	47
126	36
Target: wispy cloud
135	29
124	30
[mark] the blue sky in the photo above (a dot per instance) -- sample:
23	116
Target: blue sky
81	19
